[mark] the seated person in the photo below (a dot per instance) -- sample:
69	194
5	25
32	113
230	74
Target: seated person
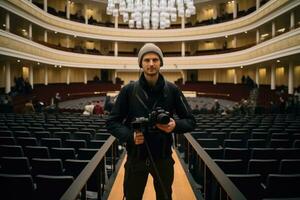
88	109
98	110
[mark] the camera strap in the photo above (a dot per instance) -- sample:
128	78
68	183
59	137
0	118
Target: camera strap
137	90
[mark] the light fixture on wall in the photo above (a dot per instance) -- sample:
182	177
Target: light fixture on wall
150	13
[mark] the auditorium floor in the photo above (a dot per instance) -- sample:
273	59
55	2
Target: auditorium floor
181	186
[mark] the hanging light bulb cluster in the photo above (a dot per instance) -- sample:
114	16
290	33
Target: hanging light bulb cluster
150	13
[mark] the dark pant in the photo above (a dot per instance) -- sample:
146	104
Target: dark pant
136	175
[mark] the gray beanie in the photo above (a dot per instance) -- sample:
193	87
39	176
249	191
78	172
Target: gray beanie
150	48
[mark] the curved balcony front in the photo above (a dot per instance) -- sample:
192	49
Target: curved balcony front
284	45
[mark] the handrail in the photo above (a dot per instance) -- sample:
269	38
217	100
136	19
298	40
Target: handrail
81	180
231	190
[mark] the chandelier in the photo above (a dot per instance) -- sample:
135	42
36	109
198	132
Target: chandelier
150	13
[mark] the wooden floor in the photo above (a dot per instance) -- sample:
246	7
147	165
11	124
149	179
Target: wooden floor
181	186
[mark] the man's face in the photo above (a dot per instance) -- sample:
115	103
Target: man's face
151	64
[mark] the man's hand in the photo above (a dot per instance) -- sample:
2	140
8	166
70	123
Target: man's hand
168	128
138	137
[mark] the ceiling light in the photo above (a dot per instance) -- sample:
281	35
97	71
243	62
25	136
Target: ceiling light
150	13
278	61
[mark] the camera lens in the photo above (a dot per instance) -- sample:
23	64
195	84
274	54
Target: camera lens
163	118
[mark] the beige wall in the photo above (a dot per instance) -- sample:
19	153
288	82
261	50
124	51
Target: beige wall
297	76
172	76
245	4
128	76
205	75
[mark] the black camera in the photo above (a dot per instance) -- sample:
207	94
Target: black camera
157	116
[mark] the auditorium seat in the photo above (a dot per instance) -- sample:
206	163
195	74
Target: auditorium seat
15	165
27	141
234	143
215	153
17	186
63	153
259	135
58	185
288	153
221	136
79	135
63	135
256	143
280	143
102	136
86	154
283	186
41	134
236	153
47	166
11	150
263	153
6	133
289	166
76	144
249	185
263	167
296	144
7	140
74	167
96	144
22	134
232	166
208	142
51	142
36	152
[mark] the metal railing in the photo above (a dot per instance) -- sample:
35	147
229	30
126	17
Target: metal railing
216	185
95	167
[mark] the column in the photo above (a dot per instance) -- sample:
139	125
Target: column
7	22
292	20
234	41
85	76
86	18
273	86
68	76
116	21
257	36
45	36
114	76
46	75
182	49
257	4
68	41
183	74
116	48
215	77
234	76
273	29
182	22
30	32
31	75
45	6
234	9
68	9
291	78
257	76
7	77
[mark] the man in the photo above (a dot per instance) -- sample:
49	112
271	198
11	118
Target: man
149	147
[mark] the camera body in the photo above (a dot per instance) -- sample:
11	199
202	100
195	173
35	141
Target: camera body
157	116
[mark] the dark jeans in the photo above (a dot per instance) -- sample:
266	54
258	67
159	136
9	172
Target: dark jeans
136	175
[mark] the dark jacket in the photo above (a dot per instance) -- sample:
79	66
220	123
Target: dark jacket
138	100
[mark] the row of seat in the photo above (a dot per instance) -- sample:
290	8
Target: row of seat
249	143
45	152
22	186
